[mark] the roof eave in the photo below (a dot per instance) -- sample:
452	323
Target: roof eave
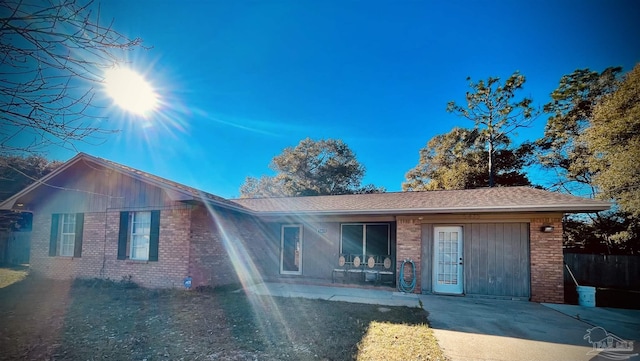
567	208
9	203
213	202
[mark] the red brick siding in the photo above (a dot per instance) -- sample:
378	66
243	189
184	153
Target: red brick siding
225	247
547	283
408	240
208	259
100	249
40	262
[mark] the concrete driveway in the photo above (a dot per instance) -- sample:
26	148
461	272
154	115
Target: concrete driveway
487	329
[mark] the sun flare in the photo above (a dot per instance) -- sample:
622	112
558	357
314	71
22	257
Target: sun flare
130	91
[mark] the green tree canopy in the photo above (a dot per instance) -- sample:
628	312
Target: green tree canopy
562	150
458	160
578	144
613	142
16	173
322	167
496	113
611	232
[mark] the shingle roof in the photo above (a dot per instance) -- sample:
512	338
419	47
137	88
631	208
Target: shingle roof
499	199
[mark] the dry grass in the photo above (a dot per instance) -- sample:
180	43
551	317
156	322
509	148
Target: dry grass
11	275
96	320
398	342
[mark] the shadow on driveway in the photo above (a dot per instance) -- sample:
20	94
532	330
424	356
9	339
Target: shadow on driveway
487	329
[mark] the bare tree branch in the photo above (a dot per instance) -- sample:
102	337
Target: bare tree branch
53	55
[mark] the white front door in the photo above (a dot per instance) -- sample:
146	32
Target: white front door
447	260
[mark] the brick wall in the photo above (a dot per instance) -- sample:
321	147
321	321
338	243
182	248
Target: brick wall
226	247
40	262
408	240
547	282
100	249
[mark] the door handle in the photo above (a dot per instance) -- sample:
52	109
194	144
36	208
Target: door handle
460	261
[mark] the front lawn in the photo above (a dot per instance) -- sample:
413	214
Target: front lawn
104	320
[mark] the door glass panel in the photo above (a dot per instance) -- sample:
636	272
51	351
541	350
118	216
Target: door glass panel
447	259
291	249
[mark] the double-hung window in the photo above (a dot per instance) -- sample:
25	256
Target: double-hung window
66	234
139	235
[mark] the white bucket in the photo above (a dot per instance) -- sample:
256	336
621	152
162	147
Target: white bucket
586	296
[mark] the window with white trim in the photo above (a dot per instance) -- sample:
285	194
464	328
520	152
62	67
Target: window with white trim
140	235
67	234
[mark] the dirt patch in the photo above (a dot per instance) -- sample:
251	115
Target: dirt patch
32	316
96	320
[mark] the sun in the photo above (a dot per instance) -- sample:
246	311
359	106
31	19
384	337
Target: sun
130	91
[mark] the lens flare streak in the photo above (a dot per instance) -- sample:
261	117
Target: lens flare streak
249	276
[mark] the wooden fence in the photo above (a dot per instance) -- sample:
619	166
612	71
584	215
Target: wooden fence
15	247
609	271
4	245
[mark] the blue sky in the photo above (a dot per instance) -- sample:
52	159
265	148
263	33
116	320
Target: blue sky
242	80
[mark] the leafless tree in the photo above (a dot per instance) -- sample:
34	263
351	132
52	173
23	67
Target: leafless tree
52	57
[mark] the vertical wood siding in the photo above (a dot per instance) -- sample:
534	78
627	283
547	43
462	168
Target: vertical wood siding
497	259
85	188
427	258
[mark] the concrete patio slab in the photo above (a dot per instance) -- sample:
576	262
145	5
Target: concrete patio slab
345	294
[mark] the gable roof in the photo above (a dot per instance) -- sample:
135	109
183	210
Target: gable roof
176	191
483	200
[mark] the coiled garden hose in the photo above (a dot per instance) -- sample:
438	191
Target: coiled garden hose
403	286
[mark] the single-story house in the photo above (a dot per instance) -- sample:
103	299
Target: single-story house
96	218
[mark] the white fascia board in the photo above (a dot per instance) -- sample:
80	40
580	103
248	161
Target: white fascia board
564	208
